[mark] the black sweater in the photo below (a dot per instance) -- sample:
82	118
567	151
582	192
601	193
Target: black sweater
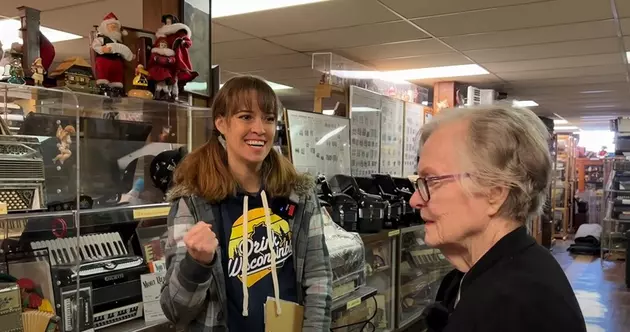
517	286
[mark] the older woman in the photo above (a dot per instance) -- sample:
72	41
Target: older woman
483	173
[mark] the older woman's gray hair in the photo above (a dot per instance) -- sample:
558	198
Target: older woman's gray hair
505	147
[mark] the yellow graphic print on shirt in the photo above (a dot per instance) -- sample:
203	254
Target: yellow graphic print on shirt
258	245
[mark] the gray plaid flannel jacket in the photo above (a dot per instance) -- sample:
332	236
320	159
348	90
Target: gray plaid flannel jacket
193	296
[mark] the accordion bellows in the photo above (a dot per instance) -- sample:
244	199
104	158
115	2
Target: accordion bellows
38	321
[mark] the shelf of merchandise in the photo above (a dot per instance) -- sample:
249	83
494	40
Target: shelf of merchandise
92	198
616	221
563	185
420	272
590	173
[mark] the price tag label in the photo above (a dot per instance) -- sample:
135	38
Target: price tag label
151	212
3	208
394	233
353	303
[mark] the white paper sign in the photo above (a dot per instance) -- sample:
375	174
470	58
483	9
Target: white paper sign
151	289
414	119
320	144
392	118
365	120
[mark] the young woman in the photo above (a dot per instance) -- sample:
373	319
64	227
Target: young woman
237	195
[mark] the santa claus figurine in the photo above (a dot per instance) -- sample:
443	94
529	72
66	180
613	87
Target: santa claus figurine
111	54
163	69
178	39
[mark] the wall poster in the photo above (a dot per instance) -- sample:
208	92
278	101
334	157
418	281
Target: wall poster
365	120
320	144
414	119
392	121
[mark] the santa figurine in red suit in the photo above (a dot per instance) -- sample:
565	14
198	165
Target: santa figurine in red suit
162	68
178	38
111	55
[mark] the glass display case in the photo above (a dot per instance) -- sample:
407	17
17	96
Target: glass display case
421	270
380	260
82	204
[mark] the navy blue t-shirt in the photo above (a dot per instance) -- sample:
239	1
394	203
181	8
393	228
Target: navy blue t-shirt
259	278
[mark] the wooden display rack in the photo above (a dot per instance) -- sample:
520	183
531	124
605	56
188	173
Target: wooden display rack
583	165
563	185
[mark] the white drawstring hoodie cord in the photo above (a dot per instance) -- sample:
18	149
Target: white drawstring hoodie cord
245	254
272	251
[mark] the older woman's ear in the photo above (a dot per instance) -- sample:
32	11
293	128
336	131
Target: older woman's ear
496	197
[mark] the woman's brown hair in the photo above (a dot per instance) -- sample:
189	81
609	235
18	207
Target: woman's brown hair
205	170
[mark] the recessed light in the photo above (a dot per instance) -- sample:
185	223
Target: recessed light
413	74
9	33
222	8
524	103
595	91
599	106
560	121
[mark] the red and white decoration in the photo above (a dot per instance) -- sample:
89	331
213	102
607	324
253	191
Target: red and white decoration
110	52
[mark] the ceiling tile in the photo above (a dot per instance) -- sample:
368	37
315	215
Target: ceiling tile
517	17
222	34
625	26
481	81
571	81
434	60
414	9
550	34
626	41
395	50
576	90
623	8
362	35
266	63
551	50
248	48
563	73
555	63
312	17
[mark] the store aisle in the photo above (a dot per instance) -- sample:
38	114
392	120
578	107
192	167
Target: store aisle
601	290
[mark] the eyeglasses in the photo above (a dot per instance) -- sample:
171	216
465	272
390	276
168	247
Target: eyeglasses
421	184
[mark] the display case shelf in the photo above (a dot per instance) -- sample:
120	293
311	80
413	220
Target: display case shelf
380	256
421	270
82	178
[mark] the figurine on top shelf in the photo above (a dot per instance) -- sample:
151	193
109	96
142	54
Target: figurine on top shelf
178	39
111	54
141	84
162	69
16	71
38	72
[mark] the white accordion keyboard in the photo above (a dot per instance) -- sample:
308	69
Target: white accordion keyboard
98	253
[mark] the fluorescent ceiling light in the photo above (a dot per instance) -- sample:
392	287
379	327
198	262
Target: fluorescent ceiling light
524	103
364	109
565	128
600	106
595	91
273	85
222	8
9	33
328	112
628	56
413	74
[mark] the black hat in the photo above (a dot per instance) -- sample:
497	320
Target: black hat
163	166
172	17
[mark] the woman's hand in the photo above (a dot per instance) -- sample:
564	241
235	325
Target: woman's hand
201	243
